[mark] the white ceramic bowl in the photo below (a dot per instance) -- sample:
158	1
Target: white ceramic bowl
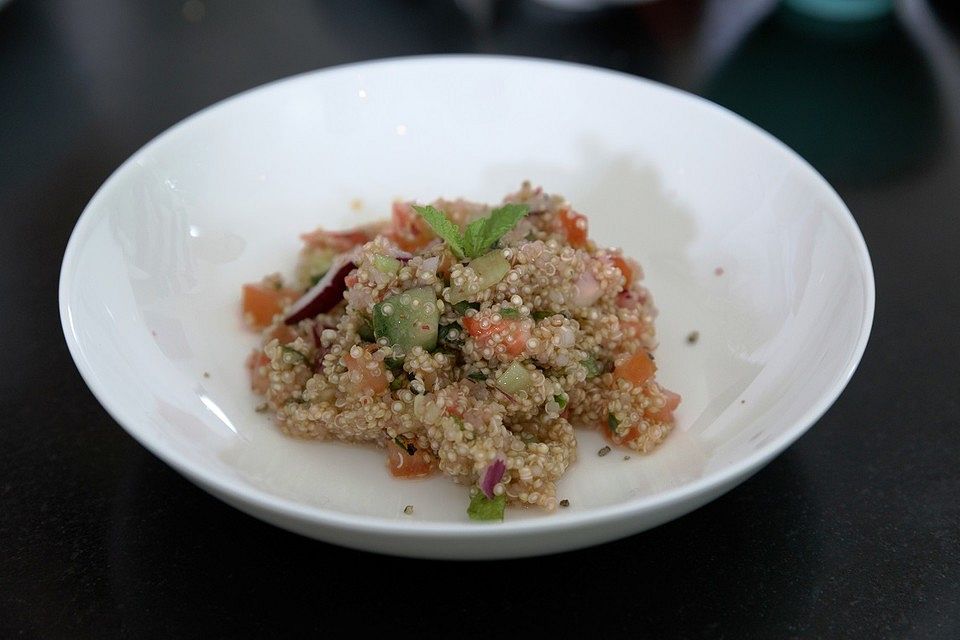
150	283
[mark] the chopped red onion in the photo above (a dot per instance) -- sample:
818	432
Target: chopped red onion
492	476
326	294
430	265
587	290
399	254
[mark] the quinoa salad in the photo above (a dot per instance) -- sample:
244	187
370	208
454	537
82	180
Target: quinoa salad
463	339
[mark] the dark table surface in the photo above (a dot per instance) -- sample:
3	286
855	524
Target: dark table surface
852	532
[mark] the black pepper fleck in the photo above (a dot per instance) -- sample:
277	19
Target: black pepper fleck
626	457
603	451
206	374
408	509
692	337
564	503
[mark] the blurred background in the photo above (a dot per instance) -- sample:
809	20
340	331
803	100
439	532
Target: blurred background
854	531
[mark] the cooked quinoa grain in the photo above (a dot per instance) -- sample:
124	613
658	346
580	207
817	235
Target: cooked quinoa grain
464	347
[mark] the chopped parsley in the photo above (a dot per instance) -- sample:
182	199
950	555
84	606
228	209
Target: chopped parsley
295	355
405	444
509	313
393	363
592	366
462	306
612	422
397	383
480	235
365	331
443	332
484	508
561	399
542	315
479	376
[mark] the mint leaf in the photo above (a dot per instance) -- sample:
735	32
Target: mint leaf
484	508
501	220
483	233
479	235
443	227
473	238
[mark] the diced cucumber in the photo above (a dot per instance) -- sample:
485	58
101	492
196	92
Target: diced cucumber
490	269
515	378
386	264
408	319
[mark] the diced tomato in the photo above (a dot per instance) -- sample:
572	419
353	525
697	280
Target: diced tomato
666	413
663	415
629	299
336	241
259	381
351	279
408	230
637	370
631	328
282	332
620	263
260	302
373	378
403	464
513	333
574	226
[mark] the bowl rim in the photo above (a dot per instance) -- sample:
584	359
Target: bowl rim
261	500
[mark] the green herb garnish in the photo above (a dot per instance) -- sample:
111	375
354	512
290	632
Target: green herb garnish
542	315
561	400
509	313
612	422
443	227
393	363
365	331
397	383
592	366
462	306
480	235
479	376
296	355
484	508
443	332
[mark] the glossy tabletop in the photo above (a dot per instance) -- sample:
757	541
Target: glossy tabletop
853	532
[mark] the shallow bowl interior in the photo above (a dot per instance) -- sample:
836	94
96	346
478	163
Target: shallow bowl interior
740	239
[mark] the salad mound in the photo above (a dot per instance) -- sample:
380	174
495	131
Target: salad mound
466	340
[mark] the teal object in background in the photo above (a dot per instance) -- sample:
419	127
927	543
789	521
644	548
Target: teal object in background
845	10
856	99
